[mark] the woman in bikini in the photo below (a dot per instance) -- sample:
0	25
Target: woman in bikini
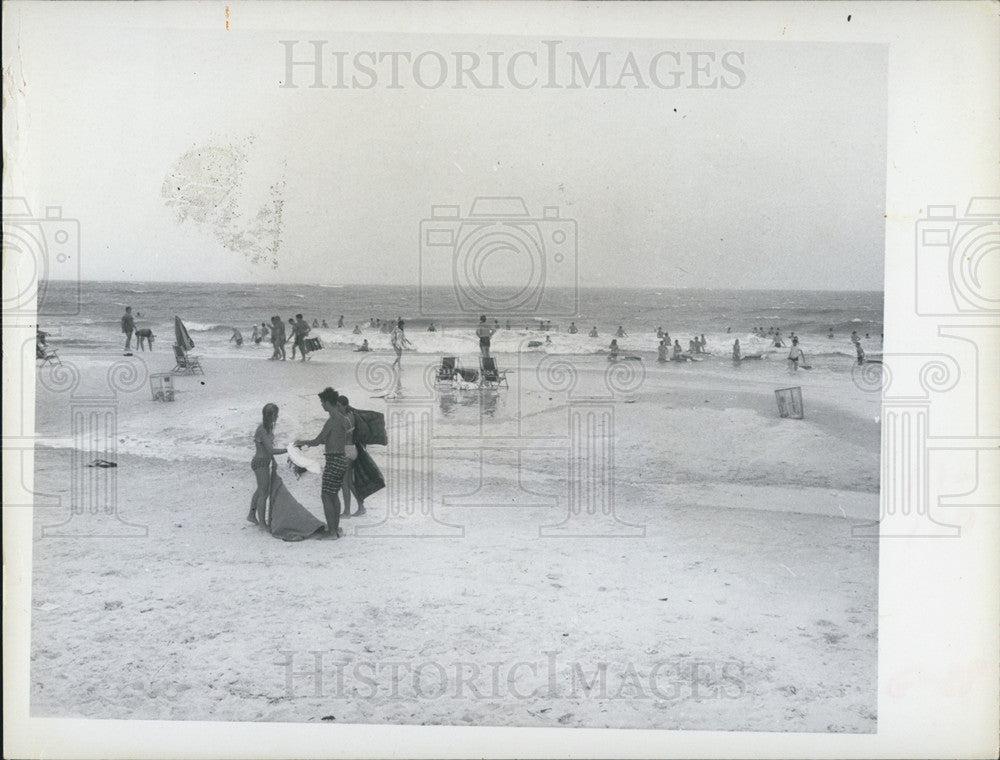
261	463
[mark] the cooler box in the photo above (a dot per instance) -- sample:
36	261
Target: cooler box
790	402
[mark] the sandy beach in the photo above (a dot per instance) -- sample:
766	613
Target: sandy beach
726	592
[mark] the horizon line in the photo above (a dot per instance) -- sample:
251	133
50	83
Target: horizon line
417	286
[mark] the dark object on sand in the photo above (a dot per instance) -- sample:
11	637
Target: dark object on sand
289	520
367	476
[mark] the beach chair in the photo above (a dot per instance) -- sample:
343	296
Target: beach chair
447	370
47	356
187	364
491	377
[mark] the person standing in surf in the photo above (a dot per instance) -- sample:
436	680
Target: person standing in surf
128	327
398	339
795	356
277	338
301	329
263	458
335	435
484	332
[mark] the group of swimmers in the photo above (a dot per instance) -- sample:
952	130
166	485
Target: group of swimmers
298	329
279	337
485	330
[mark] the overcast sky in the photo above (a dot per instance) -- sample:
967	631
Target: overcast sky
183	158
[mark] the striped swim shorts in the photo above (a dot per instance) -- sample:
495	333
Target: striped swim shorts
333	474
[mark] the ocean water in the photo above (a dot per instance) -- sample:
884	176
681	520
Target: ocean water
90	315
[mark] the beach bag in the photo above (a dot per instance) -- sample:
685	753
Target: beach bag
367	476
369	428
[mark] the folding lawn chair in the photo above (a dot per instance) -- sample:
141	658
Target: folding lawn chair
187	364
47	356
447	370
491	377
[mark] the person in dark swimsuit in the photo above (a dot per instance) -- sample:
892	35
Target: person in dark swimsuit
128	327
485	332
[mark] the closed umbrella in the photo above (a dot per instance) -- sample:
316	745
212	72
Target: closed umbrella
181	333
